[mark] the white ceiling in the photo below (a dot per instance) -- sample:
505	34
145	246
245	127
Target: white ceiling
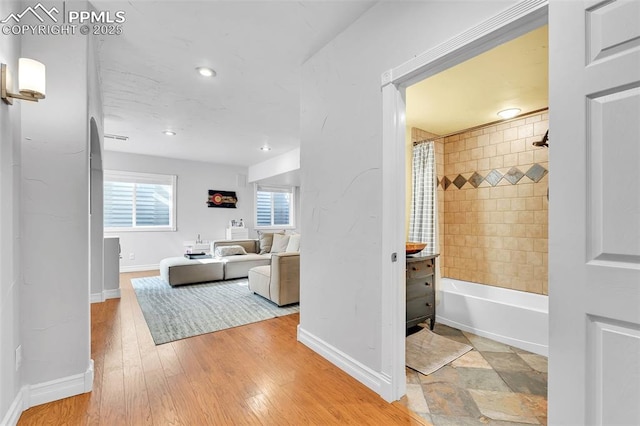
150	83
256	47
514	74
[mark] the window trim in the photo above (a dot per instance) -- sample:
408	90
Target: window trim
292	207
153	178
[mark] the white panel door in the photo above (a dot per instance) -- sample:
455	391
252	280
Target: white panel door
594	233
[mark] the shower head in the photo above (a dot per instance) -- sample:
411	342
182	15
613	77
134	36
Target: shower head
544	141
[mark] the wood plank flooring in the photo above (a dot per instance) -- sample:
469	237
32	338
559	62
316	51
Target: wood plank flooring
255	374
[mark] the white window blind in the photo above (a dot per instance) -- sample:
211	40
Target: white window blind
274	206
139	201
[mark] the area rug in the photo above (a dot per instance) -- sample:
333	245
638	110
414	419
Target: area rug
174	313
427	352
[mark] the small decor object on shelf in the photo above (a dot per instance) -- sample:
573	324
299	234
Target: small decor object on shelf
236	224
225	199
413	248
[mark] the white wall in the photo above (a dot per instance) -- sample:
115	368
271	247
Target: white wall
55	314
281	164
341	146
10	277
193	215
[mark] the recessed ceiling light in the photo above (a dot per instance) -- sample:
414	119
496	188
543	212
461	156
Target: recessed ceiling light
265	148
169	133
206	72
509	113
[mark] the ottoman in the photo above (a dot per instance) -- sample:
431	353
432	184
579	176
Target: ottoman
180	270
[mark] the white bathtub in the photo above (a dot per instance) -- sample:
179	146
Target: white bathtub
512	317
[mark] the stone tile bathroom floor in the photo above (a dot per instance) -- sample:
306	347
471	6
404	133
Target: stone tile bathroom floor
493	384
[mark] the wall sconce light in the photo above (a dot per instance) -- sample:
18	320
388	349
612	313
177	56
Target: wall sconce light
31	81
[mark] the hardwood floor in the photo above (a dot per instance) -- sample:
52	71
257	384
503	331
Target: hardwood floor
254	374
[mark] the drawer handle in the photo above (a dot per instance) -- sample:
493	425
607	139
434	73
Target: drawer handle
428	304
427	284
414	268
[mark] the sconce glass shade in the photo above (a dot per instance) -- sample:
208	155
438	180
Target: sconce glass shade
31	78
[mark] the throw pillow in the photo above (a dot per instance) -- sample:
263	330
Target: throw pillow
294	243
280	243
229	251
266	239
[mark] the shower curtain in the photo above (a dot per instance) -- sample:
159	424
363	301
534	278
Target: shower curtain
422	222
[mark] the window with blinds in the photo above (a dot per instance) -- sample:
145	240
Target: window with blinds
274	207
139	201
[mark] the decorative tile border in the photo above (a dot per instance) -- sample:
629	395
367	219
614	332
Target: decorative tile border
513	176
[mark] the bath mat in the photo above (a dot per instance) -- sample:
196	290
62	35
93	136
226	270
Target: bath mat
174	313
427	352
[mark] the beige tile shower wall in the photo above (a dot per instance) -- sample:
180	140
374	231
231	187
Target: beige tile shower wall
496	235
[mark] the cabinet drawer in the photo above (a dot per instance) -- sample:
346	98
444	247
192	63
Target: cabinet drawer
419	269
420	287
420	307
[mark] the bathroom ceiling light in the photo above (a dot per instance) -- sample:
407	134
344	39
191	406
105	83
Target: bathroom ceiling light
509	113
206	72
169	132
265	148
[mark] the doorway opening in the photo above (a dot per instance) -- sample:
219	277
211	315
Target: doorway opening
479	183
498	31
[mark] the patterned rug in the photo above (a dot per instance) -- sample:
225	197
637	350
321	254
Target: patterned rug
427	352
174	313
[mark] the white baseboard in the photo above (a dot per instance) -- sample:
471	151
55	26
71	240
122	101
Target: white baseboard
106	294
139	268
41	393
114	293
377	382
54	390
15	410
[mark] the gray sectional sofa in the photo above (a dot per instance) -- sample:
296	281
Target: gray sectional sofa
271	262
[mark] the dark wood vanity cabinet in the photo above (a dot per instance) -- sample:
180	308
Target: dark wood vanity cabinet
421	294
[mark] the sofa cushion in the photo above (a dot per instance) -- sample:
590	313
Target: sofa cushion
238	266
259	279
280	243
230	251
250	245
294	243
266	239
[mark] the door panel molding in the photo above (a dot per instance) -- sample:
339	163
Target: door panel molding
611	29
613	186
613	367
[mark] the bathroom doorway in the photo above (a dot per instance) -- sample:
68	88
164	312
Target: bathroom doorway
594	235
485	119
501	29
490	203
